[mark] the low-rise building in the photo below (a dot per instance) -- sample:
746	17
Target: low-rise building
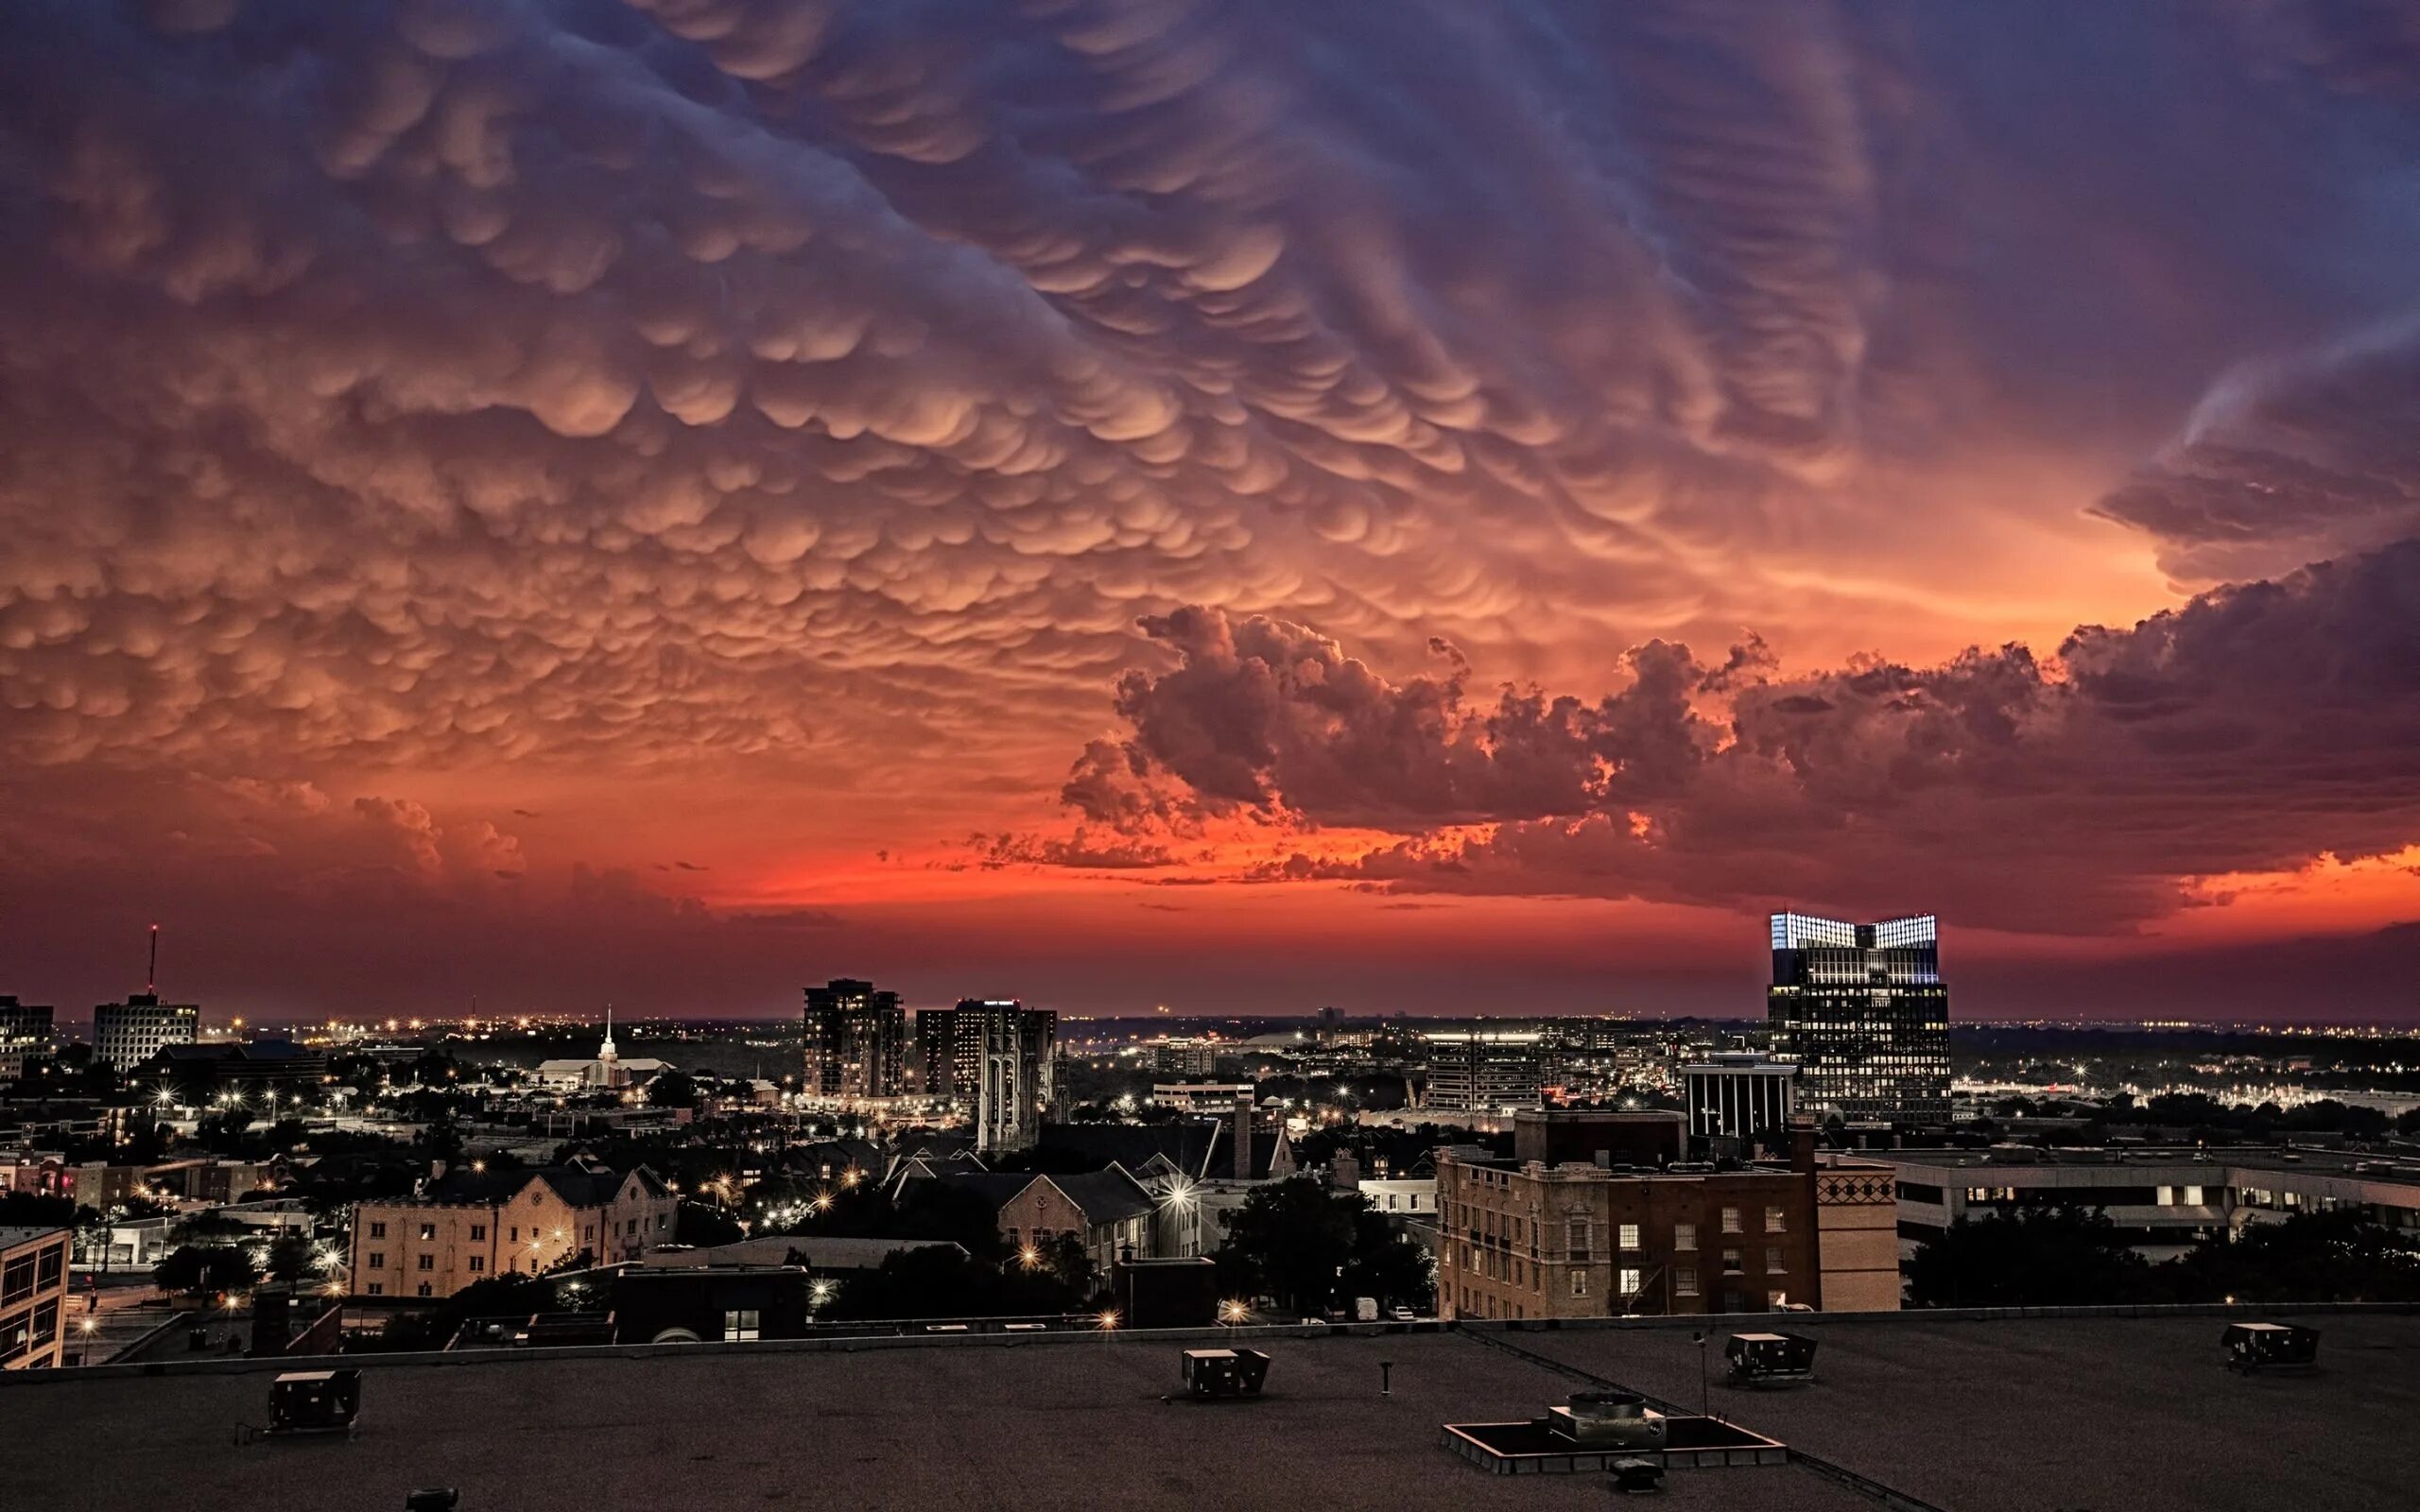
1527	1240
468	1225
1108	1211
33	1298
2161	1201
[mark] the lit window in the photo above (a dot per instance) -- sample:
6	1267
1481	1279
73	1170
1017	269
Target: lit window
1579	1283
428	1231
1630	1236
1773	1222
1731	1220
1684	1236
1631	1281
1731	1263
739	1324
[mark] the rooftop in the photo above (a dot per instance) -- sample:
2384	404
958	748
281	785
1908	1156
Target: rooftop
2016	1415
1064	1424
1980	1415
12	1235
2301	1159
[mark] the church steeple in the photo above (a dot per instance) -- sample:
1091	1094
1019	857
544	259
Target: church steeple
605	1051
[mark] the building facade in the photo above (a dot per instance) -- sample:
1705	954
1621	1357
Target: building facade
1863	1010
1184	1057
24	1036
856	1042
1477	1071
33	1298
129	1033
1532	1241
468	1225
1744	1097
2160	1201
1003	1060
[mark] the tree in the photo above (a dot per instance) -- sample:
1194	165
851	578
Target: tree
672	1089
2028	1256
292	1257
1310	1248
2320	1257
698	1224
935	1281
195	1270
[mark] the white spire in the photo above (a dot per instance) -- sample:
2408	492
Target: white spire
605	1051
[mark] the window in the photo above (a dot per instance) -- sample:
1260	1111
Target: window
1631	1281
1731	1263
1731	1220
428	1262
1579	1283
1013	1240
516	1233
479	1232
428	1231
425	1290
1684	1281
1581	1238
478	1263
1630	1236
1684	1236
1773	1265
377	1288
378	1230
739	1323
1773	1222
377	1260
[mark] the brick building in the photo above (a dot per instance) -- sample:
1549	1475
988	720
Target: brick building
1527	1240
468	1225
33	1296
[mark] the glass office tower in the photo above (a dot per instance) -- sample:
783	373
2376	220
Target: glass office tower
1863	1010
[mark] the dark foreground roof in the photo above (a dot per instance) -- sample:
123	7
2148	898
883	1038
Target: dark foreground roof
1980	1417
1075	1424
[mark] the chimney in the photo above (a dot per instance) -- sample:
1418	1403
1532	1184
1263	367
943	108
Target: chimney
1801	1144
1243	1136
1344	1172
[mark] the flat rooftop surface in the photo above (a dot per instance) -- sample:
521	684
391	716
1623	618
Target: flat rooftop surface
963	1428
2020	1416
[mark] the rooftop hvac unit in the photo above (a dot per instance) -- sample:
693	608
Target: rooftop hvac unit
2253	1346
1607	1418
1210	1373
432	1499
314	1401
1771	1358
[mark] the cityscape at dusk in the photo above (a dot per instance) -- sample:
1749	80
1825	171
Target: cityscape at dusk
1209	755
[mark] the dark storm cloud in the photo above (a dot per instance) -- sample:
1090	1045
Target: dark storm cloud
2257	728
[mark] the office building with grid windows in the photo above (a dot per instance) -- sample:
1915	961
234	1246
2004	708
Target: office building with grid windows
1864	1012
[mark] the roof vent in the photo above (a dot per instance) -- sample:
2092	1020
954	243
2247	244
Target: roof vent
1607	1417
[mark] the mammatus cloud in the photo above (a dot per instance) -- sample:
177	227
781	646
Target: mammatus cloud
461	409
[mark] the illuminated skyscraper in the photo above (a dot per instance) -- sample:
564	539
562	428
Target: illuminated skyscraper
856	1040
1863	1010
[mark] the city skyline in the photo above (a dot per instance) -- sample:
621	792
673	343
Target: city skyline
1246	509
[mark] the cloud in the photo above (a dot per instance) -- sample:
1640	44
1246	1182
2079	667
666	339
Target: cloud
2256	728
2286	463
740	426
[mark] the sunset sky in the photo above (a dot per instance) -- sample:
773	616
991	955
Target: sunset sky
1450	506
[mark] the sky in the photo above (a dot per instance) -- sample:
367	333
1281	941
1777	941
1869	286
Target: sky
1233	504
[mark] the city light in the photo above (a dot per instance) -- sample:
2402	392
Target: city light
1107	1318
1232	1312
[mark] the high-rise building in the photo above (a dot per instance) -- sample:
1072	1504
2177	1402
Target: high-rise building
1862	1009
129	1033
24	1036
1003	1063
934	1071
1481	1071
1739	1095
856	1040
